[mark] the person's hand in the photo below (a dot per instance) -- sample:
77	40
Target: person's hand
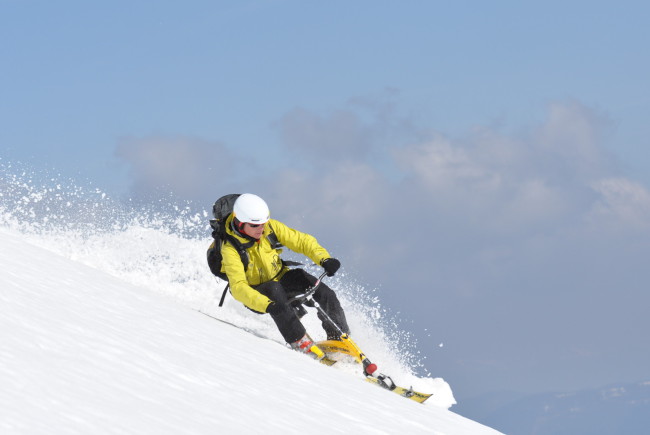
331	265
274	308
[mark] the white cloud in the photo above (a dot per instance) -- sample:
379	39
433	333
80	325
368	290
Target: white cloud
188	167
442	167
535	202
339	136
346	197
570	142
623	205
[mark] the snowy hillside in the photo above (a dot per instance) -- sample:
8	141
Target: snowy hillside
101	332
84	352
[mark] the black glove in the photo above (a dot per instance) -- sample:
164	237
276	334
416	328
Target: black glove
331	265
274	308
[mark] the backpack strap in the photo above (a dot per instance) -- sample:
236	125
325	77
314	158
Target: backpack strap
223	295
241	248
273	239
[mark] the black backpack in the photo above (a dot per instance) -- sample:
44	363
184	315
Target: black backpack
221	209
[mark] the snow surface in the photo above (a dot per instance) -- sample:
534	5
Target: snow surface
100	332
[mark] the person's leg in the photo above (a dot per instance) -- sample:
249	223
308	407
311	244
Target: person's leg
329	302
286	320
296	281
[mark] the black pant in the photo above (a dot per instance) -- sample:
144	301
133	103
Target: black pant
295	282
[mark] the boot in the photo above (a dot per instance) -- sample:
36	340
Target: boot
306	345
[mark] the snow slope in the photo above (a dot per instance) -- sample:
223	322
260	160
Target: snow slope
100	331
83	352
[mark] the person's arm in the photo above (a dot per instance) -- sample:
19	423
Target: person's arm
300	242
244	293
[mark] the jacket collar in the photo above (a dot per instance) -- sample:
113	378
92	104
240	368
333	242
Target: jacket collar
242	238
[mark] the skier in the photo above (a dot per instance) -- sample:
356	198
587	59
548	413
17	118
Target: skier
266	284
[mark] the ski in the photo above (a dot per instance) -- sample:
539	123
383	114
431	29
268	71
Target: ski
345	346
327	361
409	393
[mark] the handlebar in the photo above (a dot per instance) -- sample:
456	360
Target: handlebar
309	292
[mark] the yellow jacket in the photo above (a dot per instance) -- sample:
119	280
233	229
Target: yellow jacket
264	261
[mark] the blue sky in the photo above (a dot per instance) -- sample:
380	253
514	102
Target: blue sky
484	163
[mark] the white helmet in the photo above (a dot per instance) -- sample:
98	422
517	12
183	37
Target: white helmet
251	209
